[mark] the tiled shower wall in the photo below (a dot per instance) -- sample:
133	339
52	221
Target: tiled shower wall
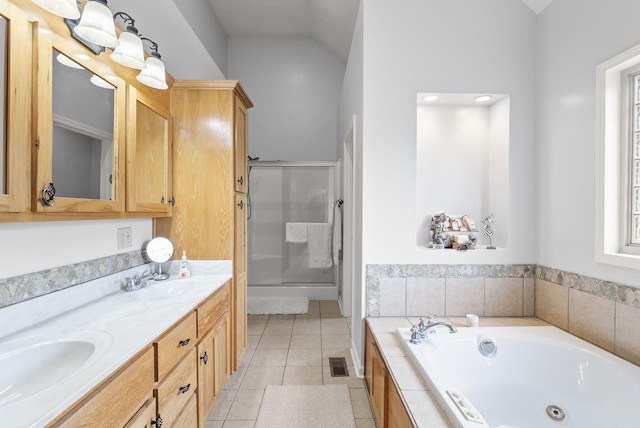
602	312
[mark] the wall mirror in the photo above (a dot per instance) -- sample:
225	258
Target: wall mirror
462	160
148	150
80	130
83	124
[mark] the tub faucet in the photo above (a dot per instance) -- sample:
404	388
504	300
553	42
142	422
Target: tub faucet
426	327
138	281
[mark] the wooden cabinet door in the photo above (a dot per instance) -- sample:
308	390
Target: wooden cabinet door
148	175
15	143
379	386
222	368
368	358
145	416
206	377
240	146
240	280
397	416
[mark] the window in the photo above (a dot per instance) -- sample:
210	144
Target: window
617	211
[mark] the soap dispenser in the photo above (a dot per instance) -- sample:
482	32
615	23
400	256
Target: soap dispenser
184	266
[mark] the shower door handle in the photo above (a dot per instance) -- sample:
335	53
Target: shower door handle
241	204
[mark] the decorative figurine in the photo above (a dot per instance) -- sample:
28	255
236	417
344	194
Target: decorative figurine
488	231
437	225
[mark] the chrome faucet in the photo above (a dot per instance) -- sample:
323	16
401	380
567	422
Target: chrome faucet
138	281
426	327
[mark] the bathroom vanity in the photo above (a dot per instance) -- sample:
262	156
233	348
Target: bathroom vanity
125	358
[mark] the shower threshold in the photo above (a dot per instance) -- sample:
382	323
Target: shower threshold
316	291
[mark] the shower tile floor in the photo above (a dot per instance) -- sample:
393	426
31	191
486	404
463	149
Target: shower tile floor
290	350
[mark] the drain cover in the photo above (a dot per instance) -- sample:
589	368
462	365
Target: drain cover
556	413
338	366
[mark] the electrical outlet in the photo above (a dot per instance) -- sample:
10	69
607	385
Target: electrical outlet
124	238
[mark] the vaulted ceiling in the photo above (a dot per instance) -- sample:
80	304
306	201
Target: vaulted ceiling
329	22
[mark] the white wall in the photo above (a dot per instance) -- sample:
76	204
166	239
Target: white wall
352	103
31	247
294	84
471	47
205	25
573	37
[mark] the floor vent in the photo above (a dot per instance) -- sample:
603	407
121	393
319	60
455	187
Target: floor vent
338	367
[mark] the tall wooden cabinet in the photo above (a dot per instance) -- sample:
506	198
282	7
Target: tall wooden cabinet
209	185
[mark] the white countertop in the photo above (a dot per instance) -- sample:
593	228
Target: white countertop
119	324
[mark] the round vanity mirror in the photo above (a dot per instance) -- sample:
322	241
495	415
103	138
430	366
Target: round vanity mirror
158	250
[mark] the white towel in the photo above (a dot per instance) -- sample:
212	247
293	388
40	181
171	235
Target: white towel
319	245
296	232
337	234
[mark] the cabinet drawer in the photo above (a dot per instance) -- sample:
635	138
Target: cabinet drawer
188	418
177	388
211	310
119	398
171	347
145	416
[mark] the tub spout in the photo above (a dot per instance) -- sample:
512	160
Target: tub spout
431	328
426	327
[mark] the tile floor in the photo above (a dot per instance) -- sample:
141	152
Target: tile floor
290	350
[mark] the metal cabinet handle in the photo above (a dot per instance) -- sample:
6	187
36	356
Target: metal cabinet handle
185	388
241	180
157	422
185	342
205	357
241	204
48	194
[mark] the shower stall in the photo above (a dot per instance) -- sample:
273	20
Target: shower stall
291	239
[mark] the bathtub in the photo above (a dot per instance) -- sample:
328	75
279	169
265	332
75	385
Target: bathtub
538	377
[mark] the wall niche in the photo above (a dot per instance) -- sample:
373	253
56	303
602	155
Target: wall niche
462	156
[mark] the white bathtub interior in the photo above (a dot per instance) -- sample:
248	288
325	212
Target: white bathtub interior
539	377
281	193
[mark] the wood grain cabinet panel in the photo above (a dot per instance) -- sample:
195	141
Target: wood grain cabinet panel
174	391
174	345
118	399
387	404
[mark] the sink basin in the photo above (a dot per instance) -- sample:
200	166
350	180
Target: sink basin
31	369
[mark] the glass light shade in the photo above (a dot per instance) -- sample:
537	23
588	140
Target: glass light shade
64	8
154	75
130	52
96	24
99	81
65	60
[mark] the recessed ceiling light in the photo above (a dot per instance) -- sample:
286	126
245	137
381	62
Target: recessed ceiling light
431	98
483	98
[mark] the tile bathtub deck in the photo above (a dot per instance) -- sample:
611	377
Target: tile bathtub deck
290	350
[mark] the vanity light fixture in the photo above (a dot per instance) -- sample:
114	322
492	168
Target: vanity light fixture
129	52
482	98
64	8
97	25
154	74
431	98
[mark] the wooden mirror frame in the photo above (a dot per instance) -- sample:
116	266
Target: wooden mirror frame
16	199
44	41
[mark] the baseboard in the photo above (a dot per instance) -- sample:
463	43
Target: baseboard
357	364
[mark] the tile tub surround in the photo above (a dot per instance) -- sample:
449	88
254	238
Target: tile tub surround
602	312
450	290
24	287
